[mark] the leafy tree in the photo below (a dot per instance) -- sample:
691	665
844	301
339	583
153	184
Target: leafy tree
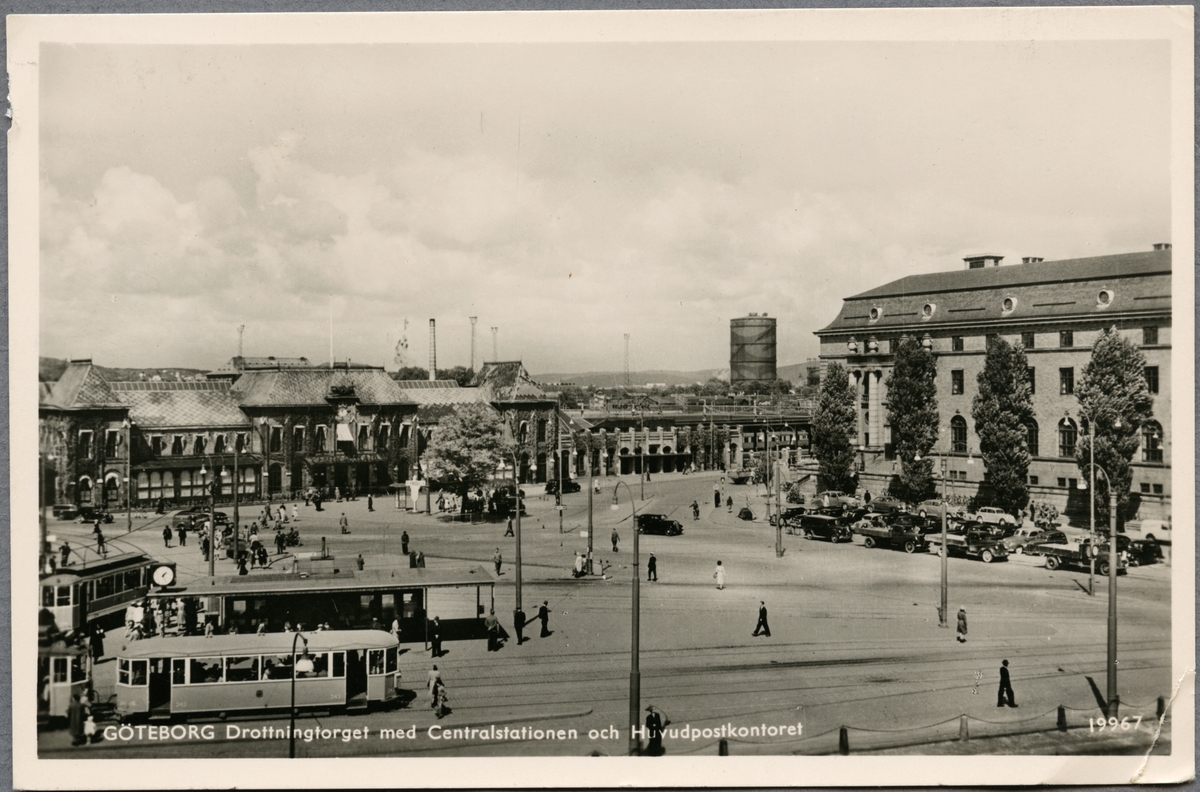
714	387
913	414
460	374
412	373
572	396
466	448
832	427
1113	386
1001	409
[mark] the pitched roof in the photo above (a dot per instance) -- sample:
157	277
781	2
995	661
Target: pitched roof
81	386
508	381
1139	282
426	384
239	363
178	404
300	386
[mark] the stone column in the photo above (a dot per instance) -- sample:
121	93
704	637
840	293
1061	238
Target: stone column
876	408
741	445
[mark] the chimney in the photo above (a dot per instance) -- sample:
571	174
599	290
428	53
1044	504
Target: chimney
432	350
1162	245
979	262
1032	259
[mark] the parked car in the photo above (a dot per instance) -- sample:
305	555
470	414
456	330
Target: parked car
736	476
89	514
935	507
1156	530
887	505
658	524
907	534
568	486
832	498
791	517
1026	540
1079	555
820	526
199	514
992	515
972	544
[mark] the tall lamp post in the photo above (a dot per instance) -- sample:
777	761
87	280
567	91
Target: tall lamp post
212	523
635	674
1091	498
128	426
943	608
301	665
1113	699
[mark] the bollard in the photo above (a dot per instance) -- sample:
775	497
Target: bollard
844	741
963	734
1114	707
1062	718
1161	709
723	748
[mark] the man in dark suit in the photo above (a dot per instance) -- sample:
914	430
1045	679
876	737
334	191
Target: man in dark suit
1005	687
544	615
435	637
519	623
762	621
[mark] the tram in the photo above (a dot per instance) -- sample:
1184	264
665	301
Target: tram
161	678
97	589
63	671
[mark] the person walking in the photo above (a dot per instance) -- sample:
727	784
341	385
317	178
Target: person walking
433	680
654	732
652	569
695	510
716	496
729	504
497	560
719	574
544	615
64	554
166	535
509	530
359	562
519	623
962	625
1005	687
101	545
280	542
420	560
435	637
97	643
492	625
76	716
295	512
370	502
344	524
204	547
616	538
762	621
181	532
404	543
262	556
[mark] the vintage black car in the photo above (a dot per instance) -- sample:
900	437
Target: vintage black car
887	505
820	526
196	515
791	517
568	486
658	524
89	514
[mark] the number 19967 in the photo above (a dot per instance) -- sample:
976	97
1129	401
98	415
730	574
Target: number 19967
1112	724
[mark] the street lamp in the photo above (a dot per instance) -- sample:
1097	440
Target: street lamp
943	609
212	522
303	665
1113	701
635	674
128	426
1091	498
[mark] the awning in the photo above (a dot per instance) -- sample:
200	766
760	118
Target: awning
343	433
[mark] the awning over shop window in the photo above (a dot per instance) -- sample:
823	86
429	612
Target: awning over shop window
343	433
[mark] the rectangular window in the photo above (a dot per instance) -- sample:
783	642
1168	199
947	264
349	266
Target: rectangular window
1031	375
364	435
198	446
1158	489
385	432
320	663
205	670
390	660
375	662
111	439
179	671
156	445
990	340
277	667
297	439
177	445
1028	340
956	344
1062	482
339	664
85	444
276	439
240	442
241	669
1073	483
1149	336
956	381
1066	381
1033	480
319	442
122	671
1152	378
1145	487
1066	338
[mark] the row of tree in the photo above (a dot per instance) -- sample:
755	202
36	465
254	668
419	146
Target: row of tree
1112	394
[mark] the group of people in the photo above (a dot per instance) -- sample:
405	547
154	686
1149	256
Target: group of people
146	618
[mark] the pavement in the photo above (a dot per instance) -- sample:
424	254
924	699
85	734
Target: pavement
855	640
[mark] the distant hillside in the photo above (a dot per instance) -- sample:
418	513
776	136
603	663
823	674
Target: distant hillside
608	379
50	369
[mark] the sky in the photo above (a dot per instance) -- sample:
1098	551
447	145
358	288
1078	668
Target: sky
566	194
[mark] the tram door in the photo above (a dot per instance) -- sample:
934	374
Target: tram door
356	678
160	686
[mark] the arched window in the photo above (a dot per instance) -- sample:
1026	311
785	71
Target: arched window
1031	437
523	432
185	484
219	444
143	486
958	435
168	484
198	446
1152	442
541	430
156	485
1068	434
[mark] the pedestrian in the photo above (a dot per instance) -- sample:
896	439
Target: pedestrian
652	569
295	513
420	560
166	535
695	510
1005	687
76	716
719	574
370	502
544	615
866	497
344	524
280	542
716	496
435	636
404	543
181	532
433	680
317	502
762	621
337	494
89	729
497	560
101	545
519	624
578	566
509	530
654	732
729	504
262	556
65	553
616	537
204	547
359	562
492	624
962	625
97	643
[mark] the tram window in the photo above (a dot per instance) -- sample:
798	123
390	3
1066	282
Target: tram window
364	602
320	663
60	669
390	655
137	673
241	669
178	671
410	605
133	579
205	669
339	664
375	662
122	671
104	587
47	596
78	672
63	595
239	606
277	667
389	606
